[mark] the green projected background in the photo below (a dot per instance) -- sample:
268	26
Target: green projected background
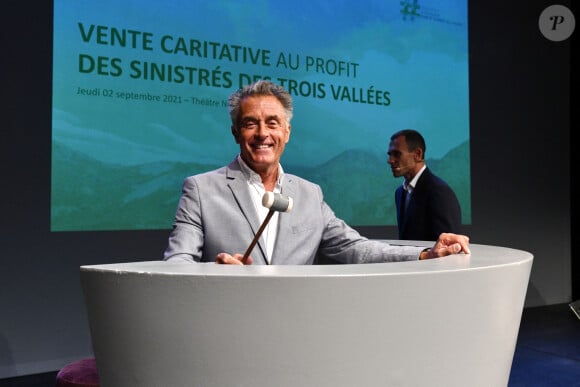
140	91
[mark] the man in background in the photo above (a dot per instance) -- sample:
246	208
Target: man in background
426	205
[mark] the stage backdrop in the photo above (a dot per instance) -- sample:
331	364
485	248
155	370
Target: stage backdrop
140	99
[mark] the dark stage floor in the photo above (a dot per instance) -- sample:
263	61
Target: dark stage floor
548	348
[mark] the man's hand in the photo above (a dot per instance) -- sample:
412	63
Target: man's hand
236	259
447	244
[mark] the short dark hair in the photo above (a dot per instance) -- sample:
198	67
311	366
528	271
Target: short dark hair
414	139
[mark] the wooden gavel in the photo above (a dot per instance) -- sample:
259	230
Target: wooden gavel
275	202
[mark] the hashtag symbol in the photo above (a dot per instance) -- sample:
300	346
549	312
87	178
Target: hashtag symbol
410	9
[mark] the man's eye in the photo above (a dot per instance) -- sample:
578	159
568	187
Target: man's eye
272	124
249	125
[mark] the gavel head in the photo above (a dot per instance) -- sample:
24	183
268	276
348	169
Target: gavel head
277	202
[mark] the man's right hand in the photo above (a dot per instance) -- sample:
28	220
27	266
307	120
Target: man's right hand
236	259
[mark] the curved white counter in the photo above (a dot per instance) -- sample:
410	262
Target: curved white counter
450	321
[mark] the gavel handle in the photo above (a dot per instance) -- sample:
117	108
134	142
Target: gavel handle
257	236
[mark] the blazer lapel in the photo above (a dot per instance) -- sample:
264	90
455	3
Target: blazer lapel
239	188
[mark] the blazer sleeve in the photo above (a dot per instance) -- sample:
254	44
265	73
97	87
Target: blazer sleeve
342	243
186	238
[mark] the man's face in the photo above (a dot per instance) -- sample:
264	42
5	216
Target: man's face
263	132
402	161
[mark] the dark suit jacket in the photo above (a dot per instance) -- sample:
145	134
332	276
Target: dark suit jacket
216	214
433	209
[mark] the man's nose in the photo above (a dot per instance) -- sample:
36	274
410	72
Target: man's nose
262	130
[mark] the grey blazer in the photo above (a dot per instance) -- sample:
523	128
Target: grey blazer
216	214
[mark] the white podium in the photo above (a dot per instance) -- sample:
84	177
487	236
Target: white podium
445	322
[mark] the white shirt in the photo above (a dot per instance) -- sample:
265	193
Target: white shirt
410	186
257	191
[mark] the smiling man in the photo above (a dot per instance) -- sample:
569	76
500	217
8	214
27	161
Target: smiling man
262	129
220	212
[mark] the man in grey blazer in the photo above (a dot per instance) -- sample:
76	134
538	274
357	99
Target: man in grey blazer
220	211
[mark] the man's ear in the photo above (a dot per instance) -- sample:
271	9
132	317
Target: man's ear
288	133
235	133
419	156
